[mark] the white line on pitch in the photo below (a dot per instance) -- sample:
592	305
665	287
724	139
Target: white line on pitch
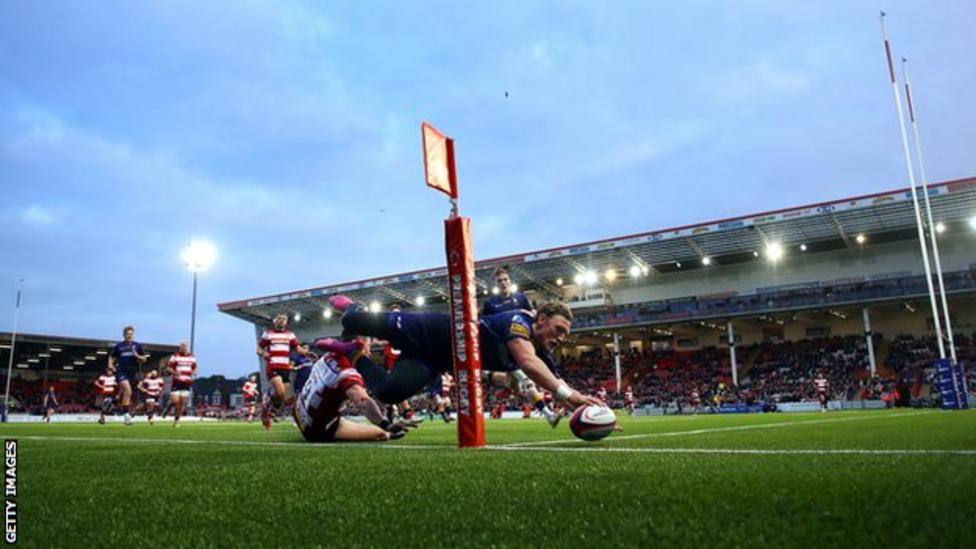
715	429
580	449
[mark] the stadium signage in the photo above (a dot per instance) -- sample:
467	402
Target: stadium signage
10	490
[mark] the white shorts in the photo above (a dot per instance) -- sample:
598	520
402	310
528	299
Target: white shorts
181	394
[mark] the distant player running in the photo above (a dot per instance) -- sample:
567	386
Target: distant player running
509	300
321	391
822	387
275	346
629	402
183	366
508	341
151	387
442	397
250	390
105	387
50	403
125	358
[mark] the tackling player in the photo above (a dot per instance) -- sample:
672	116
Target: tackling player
250	390
125	358
105	393
151	387
507	340
183	366
322	389
275	346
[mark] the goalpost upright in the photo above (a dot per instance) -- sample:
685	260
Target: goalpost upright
440	173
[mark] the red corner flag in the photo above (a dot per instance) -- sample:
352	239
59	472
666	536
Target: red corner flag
439	161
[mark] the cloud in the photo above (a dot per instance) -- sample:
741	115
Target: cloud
38	216
759	81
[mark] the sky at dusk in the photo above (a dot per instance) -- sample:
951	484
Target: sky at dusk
287	133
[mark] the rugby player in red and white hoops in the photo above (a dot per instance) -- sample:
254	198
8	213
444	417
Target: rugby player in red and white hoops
822	386
150	387
275	346
183	366
250	390
442	399
321	391
629	401
105	389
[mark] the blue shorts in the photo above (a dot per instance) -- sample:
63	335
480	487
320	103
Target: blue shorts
422	336
124	375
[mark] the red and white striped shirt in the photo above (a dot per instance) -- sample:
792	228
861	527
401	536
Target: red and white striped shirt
279	345
821	384
183	367
318	403
153	386
250	388
105	385
446	382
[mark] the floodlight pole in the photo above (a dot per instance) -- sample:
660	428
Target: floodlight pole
735	367
10	362
193	313
616	358
869	341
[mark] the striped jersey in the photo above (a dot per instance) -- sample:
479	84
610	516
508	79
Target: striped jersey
250	388
629	396
821	384
279	344
152	386
446	382
321	396
183	367
105	384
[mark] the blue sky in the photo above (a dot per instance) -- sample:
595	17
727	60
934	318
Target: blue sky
288	134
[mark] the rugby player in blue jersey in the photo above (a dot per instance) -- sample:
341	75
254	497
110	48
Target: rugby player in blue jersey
508	341
125	358
508	299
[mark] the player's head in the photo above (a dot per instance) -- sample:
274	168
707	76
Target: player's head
153	373
184	347
253	378
109	371
503	281
280	321
128	333
552	324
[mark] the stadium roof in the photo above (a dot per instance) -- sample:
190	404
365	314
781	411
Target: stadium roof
81	355
885	216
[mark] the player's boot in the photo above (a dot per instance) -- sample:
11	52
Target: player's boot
127	418
347	349
552	417
341	302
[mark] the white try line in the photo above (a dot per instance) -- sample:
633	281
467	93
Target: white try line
577	449
690	432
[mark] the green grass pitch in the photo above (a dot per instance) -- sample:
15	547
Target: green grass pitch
889	478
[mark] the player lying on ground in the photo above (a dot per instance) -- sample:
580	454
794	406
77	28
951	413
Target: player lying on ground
321	391
509	340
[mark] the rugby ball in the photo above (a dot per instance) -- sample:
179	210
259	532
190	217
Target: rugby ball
592	422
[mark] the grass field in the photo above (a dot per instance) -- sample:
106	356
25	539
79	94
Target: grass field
891	478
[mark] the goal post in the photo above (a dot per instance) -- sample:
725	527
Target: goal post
440	173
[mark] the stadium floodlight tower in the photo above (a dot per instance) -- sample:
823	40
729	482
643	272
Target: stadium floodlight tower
440	173
198	256
13	344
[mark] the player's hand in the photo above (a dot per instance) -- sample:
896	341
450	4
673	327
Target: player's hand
578	399
402	426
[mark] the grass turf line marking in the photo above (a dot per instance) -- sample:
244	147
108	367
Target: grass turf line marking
721	451
713	430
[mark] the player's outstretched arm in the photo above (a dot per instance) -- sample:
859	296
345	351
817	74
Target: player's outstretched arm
524	354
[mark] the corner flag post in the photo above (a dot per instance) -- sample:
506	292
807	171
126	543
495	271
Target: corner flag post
440	173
